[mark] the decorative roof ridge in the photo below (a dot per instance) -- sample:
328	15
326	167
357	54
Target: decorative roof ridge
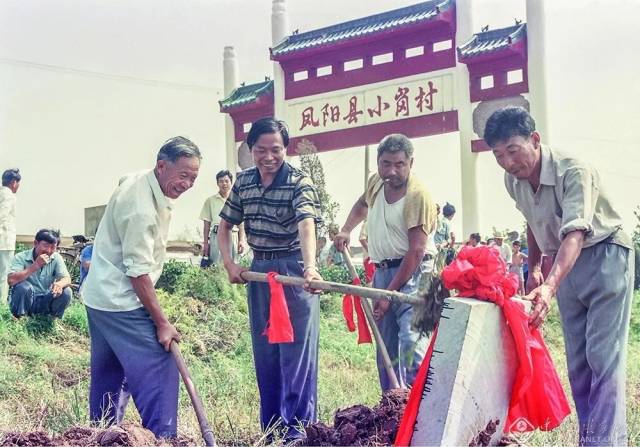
472	46
247	93
367	21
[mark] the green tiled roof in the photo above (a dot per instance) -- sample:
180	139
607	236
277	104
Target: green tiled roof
247	94
409	15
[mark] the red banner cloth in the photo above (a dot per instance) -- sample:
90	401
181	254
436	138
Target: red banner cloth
408	422
369	269
348	304
537	398
279	329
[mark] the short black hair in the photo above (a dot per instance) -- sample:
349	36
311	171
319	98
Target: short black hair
224	173
267	125
10	175
448	210
177	147
48	235
506	123
516	243
476	237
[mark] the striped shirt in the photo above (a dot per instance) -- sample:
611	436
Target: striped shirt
271	214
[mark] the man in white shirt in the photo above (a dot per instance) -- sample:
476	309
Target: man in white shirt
210	216
401	220
10	184
505	250
130	335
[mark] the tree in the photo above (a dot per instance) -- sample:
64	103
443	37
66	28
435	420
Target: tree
310	163
636	243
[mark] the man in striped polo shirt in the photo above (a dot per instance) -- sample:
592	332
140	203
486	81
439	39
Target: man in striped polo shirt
280	209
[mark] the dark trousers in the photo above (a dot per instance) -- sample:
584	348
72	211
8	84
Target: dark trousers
24	301
287	373
124	345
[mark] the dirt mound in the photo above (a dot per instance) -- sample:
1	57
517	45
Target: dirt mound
27	439
361	425
127	435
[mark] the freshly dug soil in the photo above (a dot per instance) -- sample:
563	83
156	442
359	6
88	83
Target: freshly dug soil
361	425
126	435
484	437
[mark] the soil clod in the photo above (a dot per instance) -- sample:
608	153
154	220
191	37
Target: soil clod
361	425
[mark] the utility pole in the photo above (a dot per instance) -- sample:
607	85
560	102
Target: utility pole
367	168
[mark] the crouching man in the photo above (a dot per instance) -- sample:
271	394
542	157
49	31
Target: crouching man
39	279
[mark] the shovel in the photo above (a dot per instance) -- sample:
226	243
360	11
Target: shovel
329	286
205	429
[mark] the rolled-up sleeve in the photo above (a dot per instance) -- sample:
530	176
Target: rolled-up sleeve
137	233
579	201
233	211
306	203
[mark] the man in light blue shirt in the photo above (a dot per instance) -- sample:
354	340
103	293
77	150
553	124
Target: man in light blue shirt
85	261
39	278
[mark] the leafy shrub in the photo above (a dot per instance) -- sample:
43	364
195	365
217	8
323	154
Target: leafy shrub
22	247
74	269
338	273
637	267
172	271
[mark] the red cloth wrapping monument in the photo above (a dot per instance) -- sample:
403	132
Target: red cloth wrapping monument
537	396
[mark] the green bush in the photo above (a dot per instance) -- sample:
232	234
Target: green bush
637	267
173	269
338	273
73	268
22	247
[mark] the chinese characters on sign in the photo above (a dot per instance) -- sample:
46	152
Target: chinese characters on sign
357	108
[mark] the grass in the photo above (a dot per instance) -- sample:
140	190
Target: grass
44	365
39	356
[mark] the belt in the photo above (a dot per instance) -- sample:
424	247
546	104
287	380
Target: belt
391	263
214	229
271	255
388	263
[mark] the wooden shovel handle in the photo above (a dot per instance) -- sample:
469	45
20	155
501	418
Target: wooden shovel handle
328	286
382	347
205	429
